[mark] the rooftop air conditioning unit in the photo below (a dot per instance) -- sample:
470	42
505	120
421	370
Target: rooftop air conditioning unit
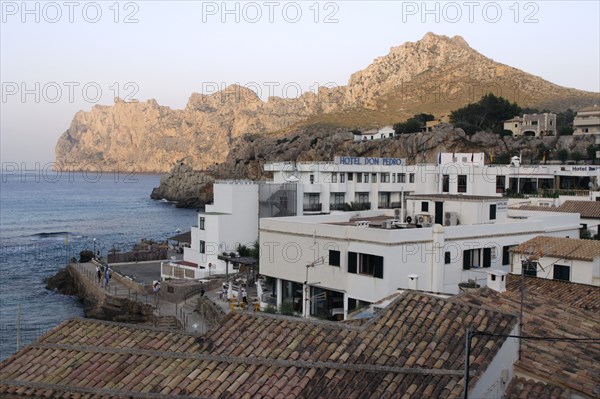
387	224
450	218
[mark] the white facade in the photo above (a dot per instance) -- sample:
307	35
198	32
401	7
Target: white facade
231	220
378	183
376	134
587	121
564	269
370	263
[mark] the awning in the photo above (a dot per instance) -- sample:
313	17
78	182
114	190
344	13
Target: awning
183	237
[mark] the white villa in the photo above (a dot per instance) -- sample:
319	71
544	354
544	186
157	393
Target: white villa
376	134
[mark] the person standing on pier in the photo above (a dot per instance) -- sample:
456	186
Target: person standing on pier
107	276
99	274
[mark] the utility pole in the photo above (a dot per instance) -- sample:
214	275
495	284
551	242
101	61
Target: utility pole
469	336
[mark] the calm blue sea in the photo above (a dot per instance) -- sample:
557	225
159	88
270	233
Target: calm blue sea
36	215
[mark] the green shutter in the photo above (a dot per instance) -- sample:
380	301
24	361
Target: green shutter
352	262
378	270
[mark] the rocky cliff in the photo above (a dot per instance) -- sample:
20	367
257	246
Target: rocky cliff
436	74
322	143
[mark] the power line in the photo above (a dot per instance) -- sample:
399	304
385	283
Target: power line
537	338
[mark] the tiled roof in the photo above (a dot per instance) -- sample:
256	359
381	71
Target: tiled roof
587	209
573	365
581	296
521	388
412	349
560	247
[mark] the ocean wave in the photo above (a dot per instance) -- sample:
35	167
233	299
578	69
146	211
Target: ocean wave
46	234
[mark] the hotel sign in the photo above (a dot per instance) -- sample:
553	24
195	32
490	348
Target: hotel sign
368	161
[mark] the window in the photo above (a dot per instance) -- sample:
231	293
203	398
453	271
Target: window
500	184
374	177
201	224
202	247
350	176
366	264
447	258
385	177
334	258
359	177
362	198
487	257
506	254
393	178
471	259
334	177
401	177
342	177
312	178
562	273
462	184
424	206
446	183
529	268
493	212
366	177
411	177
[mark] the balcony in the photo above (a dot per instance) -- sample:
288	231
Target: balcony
312	207
384	205
337	207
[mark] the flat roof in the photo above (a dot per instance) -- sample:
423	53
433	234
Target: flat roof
453	197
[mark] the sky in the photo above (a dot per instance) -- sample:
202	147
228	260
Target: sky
58	58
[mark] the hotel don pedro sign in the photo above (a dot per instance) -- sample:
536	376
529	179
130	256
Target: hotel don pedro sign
341	160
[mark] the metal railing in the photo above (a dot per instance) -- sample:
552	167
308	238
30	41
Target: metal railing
312	207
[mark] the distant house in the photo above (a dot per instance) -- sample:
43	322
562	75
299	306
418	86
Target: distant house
558	258
375	134
587	121
432	124
532	125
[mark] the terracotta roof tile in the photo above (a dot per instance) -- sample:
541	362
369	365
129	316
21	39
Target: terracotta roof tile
560	247
265	356
571	364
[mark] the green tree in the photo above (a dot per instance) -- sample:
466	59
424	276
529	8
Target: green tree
424	118
562	155
487	114
576	156
591	152
410	126
565	131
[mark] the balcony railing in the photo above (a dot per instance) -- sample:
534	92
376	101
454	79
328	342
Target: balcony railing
337	207
312	207
384	205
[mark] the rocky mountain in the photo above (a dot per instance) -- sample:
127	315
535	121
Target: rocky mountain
436	74
249	153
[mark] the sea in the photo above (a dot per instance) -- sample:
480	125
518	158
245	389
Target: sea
48	218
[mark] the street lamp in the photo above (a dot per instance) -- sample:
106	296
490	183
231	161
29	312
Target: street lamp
305	310
94	248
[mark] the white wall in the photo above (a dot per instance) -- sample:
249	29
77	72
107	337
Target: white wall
582	272
288	245
491	384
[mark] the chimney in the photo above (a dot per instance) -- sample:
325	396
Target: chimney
413	280
496	280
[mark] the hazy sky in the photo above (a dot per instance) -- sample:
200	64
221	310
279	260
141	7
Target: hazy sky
61	57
